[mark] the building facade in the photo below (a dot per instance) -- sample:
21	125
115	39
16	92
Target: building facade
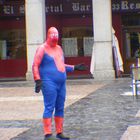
75	24
12	39
126	22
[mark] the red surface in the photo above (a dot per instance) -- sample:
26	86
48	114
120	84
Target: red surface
77	21
78	60
12	24
17	68
117	25
13	68
59	23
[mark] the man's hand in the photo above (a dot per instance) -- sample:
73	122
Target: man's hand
38	85
80	67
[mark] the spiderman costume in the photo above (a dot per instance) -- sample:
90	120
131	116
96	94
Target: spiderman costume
49	71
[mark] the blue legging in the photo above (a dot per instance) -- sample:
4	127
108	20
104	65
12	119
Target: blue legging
54	98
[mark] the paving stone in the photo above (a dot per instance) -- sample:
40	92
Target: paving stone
103	114
20	107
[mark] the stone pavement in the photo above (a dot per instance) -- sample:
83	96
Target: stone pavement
95	110
21	108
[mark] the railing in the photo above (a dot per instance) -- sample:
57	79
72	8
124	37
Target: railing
135	71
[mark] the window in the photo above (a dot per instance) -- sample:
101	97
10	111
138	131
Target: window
131	20
132	43
131	24
12	44
76	41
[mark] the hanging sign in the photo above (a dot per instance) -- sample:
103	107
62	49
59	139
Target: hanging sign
69	7
125	5
12	10
65	7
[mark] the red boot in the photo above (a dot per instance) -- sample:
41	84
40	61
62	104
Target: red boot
47	125
59	128
59	124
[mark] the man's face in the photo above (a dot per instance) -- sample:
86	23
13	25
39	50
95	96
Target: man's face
53	36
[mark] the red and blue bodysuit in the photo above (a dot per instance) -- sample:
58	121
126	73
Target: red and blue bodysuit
49	67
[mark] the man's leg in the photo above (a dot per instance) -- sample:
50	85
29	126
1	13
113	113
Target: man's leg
49	95
59	112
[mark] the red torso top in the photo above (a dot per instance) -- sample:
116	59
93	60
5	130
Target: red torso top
53	52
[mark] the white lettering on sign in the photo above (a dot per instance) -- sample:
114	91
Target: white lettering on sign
54	9
7	9
132	6
75	6
82	7
115	6
125	5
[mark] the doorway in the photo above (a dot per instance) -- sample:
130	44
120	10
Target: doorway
77	43
131	38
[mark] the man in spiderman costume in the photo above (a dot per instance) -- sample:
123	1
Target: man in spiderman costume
49	71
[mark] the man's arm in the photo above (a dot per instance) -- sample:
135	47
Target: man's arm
35	68
78	67
69	68
36	63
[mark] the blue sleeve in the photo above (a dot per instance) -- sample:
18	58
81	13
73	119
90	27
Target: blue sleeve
69	68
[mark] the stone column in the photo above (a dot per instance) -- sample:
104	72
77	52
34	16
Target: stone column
35	30
102	58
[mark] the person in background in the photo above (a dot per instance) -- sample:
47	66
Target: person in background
118	61
49	72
